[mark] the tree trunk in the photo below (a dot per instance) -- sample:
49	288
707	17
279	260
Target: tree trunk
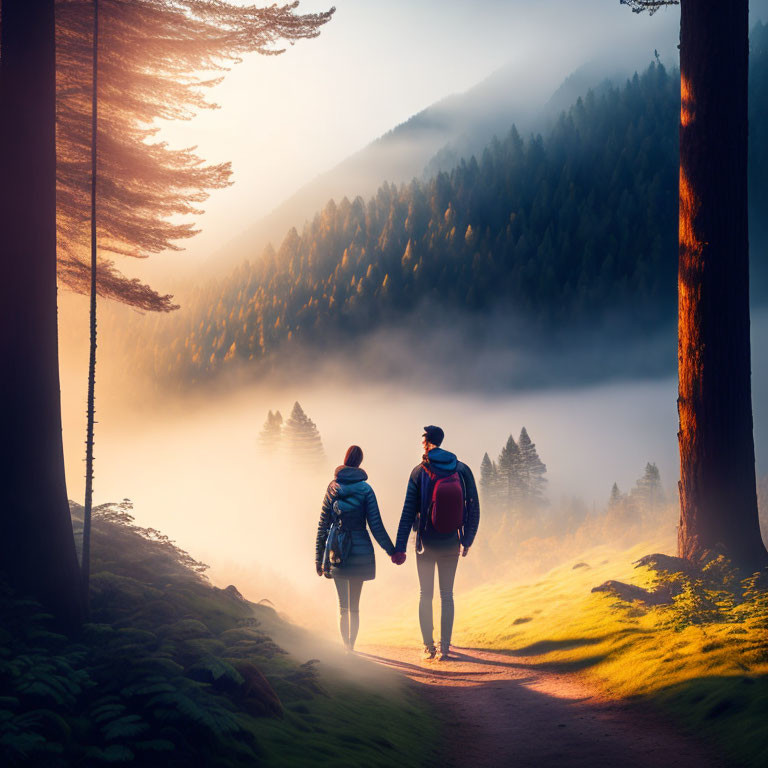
37	549
718	500
90	410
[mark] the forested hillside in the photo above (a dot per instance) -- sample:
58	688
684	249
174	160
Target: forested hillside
571	230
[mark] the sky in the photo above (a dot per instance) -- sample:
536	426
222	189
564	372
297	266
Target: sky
283	120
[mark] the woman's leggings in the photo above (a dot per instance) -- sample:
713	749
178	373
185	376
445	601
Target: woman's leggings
349	609
446	560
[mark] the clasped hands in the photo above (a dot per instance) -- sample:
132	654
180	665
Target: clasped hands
398	558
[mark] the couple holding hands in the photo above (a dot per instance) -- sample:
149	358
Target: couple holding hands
441	506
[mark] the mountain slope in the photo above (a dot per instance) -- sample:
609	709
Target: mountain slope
434	139
556	239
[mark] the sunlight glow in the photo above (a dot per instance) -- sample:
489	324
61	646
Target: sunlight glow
689	331
686	102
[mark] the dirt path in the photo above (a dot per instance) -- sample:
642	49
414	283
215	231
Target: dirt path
503	711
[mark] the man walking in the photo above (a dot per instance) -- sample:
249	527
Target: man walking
441	505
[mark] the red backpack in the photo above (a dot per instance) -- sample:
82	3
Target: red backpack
446	510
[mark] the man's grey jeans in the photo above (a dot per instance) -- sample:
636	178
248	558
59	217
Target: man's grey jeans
445	559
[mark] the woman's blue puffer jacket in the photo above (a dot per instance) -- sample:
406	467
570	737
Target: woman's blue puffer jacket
355	502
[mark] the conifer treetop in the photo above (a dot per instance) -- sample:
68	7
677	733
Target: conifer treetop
271	433
639	6
302	436
153	60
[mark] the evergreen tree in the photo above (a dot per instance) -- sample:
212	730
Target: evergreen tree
718	494
271	432
37	548
152	54
302	440
489	481
648	490
510	485
621	511
177	37
532	470
615	498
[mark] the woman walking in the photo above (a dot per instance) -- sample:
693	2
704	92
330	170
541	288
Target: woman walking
343	549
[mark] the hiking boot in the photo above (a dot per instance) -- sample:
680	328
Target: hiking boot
429	652
443	656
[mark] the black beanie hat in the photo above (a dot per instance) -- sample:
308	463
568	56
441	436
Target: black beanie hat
434	435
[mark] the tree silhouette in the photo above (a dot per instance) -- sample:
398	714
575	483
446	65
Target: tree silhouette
718	498
532	470
616	497
648	490
37	548
153	56
638	6
489	478
153	53
85	557
133	26
511	490
219	31
302	440
271	432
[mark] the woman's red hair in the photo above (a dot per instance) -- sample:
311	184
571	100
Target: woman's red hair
354	456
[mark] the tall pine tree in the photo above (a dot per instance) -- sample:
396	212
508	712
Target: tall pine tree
153	56
532	470
489	482
37	548
271	432
616	497
648	490
302	440
718	496
510	485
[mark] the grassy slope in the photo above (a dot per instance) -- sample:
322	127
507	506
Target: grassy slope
712	677
172	671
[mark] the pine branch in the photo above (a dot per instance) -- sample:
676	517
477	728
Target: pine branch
638	6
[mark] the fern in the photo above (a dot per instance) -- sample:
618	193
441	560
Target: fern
186	629
211	668
46	688
107	711
114	753
207	713
155	745
141	685
146	688
45	721
18	744
125	727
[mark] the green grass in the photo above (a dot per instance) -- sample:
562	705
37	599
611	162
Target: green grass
353	727
707	667
171	671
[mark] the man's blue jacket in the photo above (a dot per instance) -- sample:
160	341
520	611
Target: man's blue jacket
419	494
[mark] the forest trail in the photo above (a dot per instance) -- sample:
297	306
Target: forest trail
502	710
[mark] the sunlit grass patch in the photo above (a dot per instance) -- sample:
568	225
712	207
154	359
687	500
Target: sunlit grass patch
703	658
